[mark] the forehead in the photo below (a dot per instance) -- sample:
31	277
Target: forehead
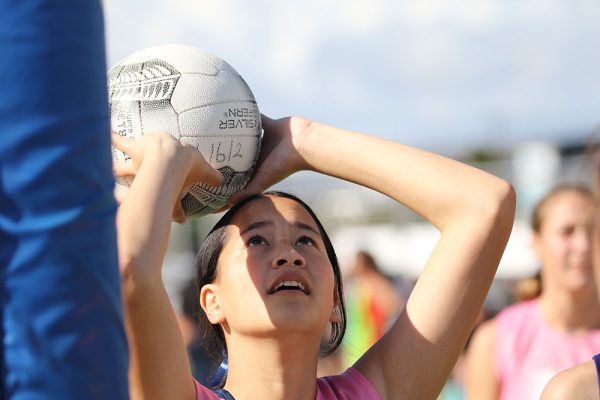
270	208
569	206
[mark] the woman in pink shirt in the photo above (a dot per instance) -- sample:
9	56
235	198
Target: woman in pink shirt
270	287
515	355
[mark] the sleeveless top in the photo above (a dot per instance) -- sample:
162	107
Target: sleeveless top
351	385
528	352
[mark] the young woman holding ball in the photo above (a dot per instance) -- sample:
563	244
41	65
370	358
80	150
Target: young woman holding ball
270	285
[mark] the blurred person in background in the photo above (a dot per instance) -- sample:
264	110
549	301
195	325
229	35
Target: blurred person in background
372	303
514	355
581	382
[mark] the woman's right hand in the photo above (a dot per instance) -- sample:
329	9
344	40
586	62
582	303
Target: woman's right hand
162	151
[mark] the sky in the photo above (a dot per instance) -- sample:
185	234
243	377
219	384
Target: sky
448	76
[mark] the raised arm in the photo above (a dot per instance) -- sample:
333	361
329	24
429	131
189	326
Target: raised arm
162	166
473	210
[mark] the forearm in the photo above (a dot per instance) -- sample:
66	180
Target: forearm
159	367
474	212
163	167
145	216
439	189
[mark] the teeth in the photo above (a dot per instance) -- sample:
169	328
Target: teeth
290	284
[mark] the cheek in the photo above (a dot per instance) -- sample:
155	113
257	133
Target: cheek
553	247
326	279
236	280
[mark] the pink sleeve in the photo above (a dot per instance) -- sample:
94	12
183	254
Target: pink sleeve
351	385
203	393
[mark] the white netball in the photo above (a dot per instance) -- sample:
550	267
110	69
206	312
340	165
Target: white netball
199	99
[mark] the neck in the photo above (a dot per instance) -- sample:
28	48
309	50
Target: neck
574	312
272	368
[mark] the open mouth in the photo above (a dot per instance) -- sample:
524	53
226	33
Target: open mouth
289	286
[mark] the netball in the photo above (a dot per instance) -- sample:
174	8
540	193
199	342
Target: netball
199	99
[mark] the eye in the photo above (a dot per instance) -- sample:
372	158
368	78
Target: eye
256	240
567	230
305	240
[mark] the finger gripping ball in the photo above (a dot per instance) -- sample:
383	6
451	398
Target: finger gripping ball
199	99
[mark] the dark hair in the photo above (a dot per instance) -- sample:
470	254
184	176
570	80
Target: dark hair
212	336
537	216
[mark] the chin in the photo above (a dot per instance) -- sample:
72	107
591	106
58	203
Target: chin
300	320
580	283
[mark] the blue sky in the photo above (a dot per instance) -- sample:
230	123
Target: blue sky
444	75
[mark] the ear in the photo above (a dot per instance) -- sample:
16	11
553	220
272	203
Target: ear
209	301
336	314
536	244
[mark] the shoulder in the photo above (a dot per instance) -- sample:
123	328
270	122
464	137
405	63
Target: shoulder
516	313
350	385
576	383
481	348
484	338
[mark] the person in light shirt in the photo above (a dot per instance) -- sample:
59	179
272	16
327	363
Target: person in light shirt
517	353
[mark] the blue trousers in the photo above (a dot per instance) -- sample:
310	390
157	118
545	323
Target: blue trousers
62	319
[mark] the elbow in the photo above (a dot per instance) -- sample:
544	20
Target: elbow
127	265
500	206
506	204
135	274
127	269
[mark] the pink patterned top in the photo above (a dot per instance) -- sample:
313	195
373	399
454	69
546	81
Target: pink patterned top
528	352
351	385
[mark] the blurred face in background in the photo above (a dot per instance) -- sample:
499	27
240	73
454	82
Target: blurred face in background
564	242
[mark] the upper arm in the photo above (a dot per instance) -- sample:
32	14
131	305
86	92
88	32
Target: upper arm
416	356
577	383
474	212
481	381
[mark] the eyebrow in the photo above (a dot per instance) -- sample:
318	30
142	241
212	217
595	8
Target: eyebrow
255	225
260	224
307	227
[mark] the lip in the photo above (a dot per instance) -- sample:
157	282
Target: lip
581	266
289	277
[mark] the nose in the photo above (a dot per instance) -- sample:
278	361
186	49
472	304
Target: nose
288	256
